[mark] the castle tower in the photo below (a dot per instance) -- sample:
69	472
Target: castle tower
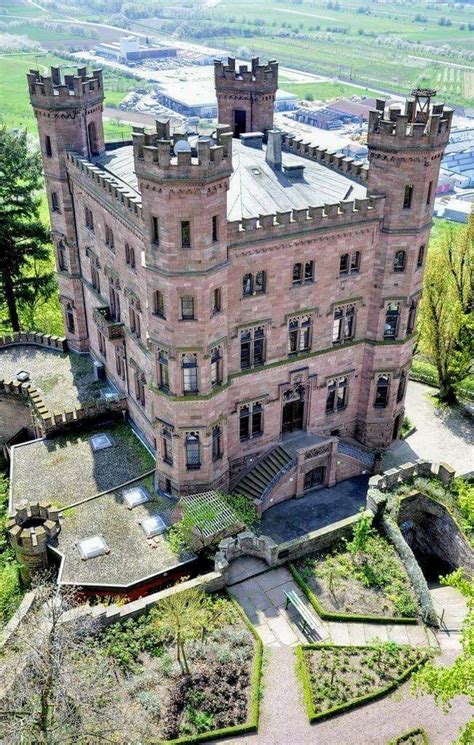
69	117
245	98
184	201
405	152
29	530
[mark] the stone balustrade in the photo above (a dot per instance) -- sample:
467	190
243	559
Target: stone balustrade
35	338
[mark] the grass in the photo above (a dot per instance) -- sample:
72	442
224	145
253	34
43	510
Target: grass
325	91
412	737
338	678
11	586
424	371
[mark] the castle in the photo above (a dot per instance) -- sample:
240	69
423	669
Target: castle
252	296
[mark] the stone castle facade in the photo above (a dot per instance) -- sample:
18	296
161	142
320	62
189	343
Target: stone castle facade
247	290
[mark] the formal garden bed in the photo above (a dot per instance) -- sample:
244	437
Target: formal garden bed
338	678
413	737
360	578
189	667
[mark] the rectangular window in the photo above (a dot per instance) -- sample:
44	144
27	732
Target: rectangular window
185	234
216	301
139	379
114	303
159	304
216	443
355	262
252	348
421	256
95	276
309	271
337	395
163	371
216	367
54	202
89	219
187	308
407	197
215	229
119	363
190	375
343	328
299	335
251	421
349	263
134	322
430	193
62	266
155	230
391	321
48	148
167	446
102	346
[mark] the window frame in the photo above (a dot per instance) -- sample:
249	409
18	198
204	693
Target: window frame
159	304
216	443
408	196
186	234
385	387
348	311
299	335
335	402
192	438
399	266
190	379
256	343
252	417
187	300
394	315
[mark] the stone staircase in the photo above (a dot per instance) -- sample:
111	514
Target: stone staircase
266	472
353	450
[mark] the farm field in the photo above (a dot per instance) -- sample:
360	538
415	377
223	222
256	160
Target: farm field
326	90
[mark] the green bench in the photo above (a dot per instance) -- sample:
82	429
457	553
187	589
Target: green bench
297	603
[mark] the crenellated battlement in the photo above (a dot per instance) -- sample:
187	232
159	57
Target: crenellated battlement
281	224
409	126
55	91
161	156
337	161
114	188
262	78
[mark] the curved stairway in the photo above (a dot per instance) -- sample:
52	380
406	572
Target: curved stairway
264	474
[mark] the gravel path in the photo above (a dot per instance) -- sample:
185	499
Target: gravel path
442	434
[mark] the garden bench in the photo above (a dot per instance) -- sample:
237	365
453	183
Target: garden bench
297	603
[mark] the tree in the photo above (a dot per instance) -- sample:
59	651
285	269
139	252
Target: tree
445	682
446	323
24	239
60	687
182	615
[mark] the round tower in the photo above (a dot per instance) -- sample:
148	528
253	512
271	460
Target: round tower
31	528
184	186
406	146
246	98
69	116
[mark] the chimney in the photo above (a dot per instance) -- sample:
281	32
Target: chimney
273	154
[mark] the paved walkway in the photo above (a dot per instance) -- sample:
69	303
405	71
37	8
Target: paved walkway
283	718
442	433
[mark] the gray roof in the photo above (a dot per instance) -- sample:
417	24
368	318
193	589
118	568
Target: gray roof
255	187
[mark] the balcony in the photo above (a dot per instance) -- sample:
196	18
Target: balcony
111	328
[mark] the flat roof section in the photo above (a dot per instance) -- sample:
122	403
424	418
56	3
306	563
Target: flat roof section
66	469
64	380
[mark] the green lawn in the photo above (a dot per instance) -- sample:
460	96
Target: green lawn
324	91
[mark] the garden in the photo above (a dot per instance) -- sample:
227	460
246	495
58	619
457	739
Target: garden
188	667
337	678
359	577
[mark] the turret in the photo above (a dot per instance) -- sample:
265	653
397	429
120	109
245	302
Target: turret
246	97
69	116
405	151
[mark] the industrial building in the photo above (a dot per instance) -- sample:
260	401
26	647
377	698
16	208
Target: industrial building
128	49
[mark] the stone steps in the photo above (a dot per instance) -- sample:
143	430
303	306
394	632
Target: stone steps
256	481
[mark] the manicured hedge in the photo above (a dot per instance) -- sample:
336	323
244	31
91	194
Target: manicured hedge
368	698
327	615
252	724
412	733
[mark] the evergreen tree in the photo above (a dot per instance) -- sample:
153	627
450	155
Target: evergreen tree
24	240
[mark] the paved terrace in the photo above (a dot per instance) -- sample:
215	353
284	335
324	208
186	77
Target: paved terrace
63	380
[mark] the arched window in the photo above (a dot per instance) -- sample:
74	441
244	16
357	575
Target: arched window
54	202
391	320
299	335
247	284
382	391
70	319
93	141
193	451
109	238
130	256
190	374
216	442
411	317
399	261
402	384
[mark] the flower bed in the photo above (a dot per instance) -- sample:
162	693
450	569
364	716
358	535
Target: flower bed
337	678
366	581
413	737
210	689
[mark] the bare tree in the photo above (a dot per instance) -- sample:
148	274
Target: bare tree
63	689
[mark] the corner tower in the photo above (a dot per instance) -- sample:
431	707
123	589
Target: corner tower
69	116
245	98
406	146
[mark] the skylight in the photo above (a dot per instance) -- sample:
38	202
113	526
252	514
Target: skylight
91	547
135	496
153	526
100	442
